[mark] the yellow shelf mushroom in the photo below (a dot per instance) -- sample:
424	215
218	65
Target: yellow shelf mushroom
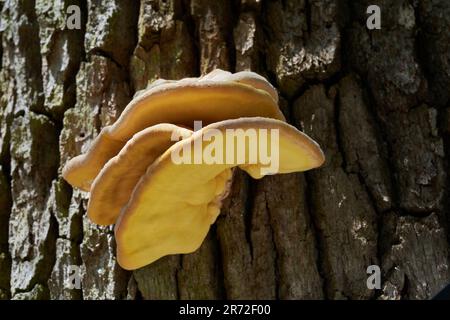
174	204
163	184
115	182
209	98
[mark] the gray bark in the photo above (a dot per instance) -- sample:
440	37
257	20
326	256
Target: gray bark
378	102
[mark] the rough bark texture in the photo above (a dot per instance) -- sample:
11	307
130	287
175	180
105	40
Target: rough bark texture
376	101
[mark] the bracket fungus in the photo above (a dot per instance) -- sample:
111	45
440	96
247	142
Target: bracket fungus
163	184
209	98
115	182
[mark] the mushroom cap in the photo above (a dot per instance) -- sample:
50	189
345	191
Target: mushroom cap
81	170
246	77
256	81
223	96
113	186
173	205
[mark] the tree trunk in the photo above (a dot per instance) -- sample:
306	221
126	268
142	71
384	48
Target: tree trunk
377	101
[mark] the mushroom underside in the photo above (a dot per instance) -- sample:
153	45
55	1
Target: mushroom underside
174	204
163	184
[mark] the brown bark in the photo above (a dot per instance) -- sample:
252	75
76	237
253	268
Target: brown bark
376	101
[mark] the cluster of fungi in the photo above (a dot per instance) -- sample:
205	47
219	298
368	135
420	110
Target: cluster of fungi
160	207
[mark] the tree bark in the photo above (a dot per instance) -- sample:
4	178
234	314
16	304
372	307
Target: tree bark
377	101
